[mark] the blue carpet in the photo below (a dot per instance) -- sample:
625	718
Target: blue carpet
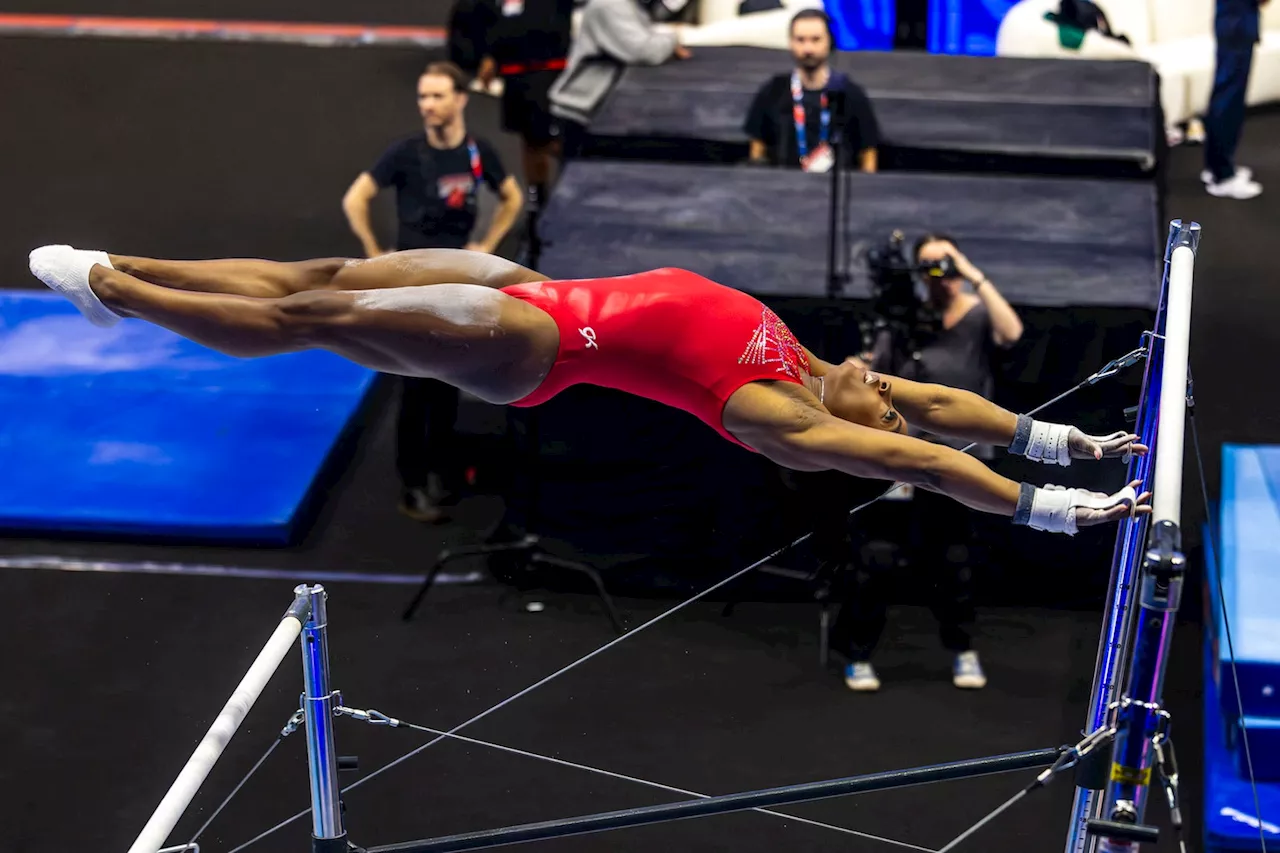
1230	812
1248	548
135	430
1251	584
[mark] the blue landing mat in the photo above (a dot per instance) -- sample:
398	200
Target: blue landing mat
135	430
1230	814
1247	554
1250	519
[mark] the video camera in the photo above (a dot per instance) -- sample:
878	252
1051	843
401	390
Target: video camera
941	268
896	302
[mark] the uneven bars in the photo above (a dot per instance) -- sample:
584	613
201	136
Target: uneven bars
184	788
1141	717
1166	499
728	803
1114	644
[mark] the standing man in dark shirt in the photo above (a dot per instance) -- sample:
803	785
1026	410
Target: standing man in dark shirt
437	175
527	45
816	99
467	30
974	326
1236	29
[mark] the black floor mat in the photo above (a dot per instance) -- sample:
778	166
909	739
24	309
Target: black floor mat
699	702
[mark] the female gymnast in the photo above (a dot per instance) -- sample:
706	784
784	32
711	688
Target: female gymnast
510	336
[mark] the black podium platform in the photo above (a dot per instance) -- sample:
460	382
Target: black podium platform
1045	108
1046	241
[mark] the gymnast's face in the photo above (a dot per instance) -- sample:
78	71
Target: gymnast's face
855	394
438	102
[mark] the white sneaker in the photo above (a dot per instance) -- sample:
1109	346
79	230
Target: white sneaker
1242	172
493	90
861	677
1195	131
1235	187
966	672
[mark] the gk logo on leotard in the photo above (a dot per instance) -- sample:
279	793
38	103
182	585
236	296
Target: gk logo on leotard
590	334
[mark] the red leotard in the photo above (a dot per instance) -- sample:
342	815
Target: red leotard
667	335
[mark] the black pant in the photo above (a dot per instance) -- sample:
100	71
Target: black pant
425	437
526	106
940	550
467	26
1225	118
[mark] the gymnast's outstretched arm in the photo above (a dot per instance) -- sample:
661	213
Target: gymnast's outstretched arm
804	437
955	413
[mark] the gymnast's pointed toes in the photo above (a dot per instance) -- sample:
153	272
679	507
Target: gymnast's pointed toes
65	270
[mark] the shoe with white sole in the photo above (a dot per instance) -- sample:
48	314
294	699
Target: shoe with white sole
966	672
861	677
1235	187
1244	173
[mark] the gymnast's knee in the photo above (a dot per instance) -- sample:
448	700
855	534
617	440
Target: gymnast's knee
313	317
318	274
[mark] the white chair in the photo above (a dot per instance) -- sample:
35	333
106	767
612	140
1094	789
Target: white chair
1175	36
1025	32
723	27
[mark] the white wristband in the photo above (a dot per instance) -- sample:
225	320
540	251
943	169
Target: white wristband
1051	510
1048	443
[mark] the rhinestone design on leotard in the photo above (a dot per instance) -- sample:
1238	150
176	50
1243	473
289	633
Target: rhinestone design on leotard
773	343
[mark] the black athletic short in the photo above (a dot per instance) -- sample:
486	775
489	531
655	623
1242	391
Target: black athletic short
526	109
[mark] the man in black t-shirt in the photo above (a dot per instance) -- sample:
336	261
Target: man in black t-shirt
437	176
527	45
823	101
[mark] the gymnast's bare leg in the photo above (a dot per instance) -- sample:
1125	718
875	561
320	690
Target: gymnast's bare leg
250	277
472	336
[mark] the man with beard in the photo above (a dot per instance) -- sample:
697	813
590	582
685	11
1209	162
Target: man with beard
437	174
795	117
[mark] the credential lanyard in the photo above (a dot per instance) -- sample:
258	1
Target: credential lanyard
797	114
477	171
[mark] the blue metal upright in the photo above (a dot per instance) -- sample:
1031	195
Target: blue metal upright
1115	650
318	701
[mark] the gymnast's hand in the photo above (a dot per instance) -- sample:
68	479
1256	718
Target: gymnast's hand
1058	444
1058	509
1123	444
1120	508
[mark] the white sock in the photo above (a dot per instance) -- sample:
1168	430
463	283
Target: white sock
66	270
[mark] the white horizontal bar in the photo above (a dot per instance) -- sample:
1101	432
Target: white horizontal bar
184	788
1166	501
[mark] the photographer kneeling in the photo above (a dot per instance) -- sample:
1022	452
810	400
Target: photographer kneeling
969	322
